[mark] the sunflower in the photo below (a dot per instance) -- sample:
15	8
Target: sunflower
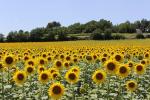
123	71
30	62
66	64
42	61
144	61
44	55
146	55
58	64
19	77
52	70
62	57
25	58
75	69
94	56
9	60
103	59
99	76
43	77
56	91
130	64
71	77
49	58
118	57
29	69
131	85
139	69
40	69
55	75
89	58
68	58
75	60
111	66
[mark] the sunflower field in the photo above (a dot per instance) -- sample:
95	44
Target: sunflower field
75	70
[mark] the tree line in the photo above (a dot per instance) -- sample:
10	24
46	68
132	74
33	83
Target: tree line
54	31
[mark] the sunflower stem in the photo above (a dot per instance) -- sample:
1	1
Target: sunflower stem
30	80
23	92
131	97
98	92
73	92
41	92
2	86
108	87
120	90
8	74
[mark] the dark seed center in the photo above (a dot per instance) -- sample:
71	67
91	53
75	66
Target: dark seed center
56	90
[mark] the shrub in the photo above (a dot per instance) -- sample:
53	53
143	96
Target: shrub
140	36
73	38
118	37
97	35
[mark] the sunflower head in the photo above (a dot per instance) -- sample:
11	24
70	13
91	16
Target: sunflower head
89	58
75	60
44	77
111	66
118	57
144	61
42	61
123	71
41	69
71	77
58	64
99	76
30	63
55	75
139	69
9	60
66	64
56	91
52	70
29	69
68	58
75	69
131	85
19	77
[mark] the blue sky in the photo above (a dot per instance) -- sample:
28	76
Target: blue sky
29	14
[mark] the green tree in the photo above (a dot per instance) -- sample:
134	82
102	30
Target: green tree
75	28
104	24
90	26
1	37
37	34
53	24
97	35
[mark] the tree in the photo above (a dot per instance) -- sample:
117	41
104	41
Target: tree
62	35
140	36
53	24
104	24
11	37
1	37
108	34
37	34
97	35
75	28
127	27
90	26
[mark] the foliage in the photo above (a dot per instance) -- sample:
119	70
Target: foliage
140	36
118	37
80	70
54	29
